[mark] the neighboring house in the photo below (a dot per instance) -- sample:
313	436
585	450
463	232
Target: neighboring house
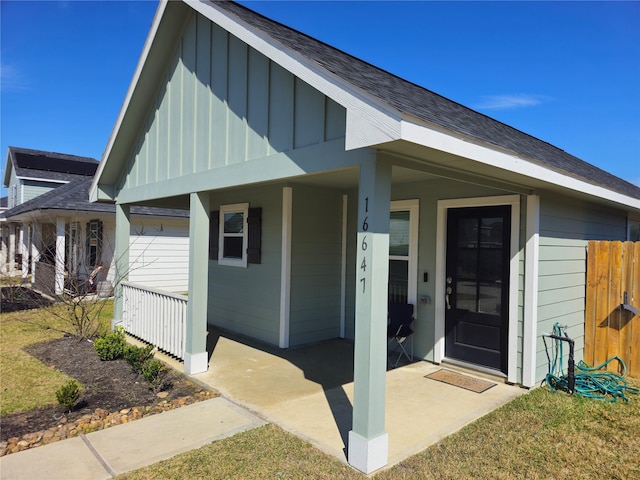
321	187
65	237
28	174
3	260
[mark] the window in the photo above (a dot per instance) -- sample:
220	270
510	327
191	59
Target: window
633	229
235	234
94	243
403	232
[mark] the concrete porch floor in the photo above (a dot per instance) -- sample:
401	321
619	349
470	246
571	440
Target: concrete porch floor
309	392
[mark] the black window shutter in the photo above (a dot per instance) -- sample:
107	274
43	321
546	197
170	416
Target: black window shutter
254	235
99	243
214	234
88	244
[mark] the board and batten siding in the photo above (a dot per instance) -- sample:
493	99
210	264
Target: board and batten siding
247	300
315	265
565	227
159	254
222	103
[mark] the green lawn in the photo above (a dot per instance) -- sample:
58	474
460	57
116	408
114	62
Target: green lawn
26	382
538	435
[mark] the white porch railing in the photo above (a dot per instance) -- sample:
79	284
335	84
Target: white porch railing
155	316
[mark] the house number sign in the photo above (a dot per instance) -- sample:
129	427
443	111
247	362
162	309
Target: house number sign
363	246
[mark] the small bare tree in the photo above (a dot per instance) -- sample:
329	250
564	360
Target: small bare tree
77	302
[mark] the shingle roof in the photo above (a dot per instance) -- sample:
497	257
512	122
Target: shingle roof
417	101
50	165
74	197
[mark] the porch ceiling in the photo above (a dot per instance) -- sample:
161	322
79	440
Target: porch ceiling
348	179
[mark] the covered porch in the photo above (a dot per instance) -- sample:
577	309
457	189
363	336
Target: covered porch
309	392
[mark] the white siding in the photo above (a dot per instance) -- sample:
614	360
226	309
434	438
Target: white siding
159	254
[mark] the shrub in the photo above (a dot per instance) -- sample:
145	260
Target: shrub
68	394
156	373
112	345
137	356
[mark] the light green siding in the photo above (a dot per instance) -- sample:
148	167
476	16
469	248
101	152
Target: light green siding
315	265
223	103
247	300
566	225
31	189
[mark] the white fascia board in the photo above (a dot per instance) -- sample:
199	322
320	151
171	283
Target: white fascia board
39	215
34	179
493	156
369	121
93	193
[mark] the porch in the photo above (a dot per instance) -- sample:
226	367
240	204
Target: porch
309	392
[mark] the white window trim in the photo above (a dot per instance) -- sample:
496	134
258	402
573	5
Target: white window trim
234	262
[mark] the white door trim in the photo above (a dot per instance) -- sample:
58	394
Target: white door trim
441	251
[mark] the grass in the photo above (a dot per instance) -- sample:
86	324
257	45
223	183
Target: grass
26	382
538	435
265	452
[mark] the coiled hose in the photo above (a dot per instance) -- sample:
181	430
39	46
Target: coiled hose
589	381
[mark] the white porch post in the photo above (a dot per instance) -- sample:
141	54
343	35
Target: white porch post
285	267
196	358
60	244
4	248
12	249
24	249
34	251
121	256
368	441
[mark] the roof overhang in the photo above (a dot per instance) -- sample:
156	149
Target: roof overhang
370	121
492	156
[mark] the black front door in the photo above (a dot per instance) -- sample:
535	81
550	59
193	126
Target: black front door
477	285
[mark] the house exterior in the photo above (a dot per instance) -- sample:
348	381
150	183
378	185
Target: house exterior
62	237
28	174
321	188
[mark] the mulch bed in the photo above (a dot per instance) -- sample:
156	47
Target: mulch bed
18	298
110	385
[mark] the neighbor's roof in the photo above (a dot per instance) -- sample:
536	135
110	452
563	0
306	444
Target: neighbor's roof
417	101
74	197
41	165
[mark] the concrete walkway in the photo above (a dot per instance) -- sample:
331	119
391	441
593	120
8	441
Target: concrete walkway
123	448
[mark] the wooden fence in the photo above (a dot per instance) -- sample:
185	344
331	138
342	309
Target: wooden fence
612	324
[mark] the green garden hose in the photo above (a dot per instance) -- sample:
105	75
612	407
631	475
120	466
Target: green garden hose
589	381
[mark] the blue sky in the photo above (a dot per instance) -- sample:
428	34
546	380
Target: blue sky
565	72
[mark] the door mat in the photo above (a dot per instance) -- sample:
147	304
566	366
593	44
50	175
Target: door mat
460	380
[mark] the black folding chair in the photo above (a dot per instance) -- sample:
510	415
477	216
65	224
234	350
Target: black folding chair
399	333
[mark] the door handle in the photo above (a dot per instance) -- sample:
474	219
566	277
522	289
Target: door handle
446	298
